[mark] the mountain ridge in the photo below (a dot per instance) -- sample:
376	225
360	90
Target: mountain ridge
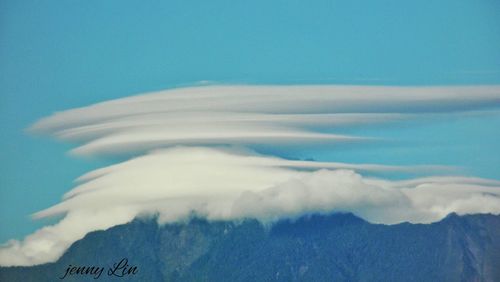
334	247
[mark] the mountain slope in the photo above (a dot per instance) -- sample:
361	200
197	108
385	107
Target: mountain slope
338	247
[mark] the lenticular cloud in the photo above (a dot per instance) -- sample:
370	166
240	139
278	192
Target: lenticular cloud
191	156
248	115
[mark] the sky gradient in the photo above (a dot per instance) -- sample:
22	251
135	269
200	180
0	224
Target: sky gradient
56	55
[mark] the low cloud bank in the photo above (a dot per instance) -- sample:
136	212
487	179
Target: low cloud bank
192	159
222	184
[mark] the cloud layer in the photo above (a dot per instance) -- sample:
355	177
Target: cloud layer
180	171
223	184
248	115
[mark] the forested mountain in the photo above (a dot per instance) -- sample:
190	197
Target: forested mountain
337	247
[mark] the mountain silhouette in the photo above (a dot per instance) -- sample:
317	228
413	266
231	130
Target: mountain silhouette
335	247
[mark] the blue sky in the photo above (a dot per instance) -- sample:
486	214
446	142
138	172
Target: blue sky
56	55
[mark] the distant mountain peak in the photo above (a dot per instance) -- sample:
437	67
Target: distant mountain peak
315	247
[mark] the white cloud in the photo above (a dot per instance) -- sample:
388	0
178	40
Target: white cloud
221	182
247	115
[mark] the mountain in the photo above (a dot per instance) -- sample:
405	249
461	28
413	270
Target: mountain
337	247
